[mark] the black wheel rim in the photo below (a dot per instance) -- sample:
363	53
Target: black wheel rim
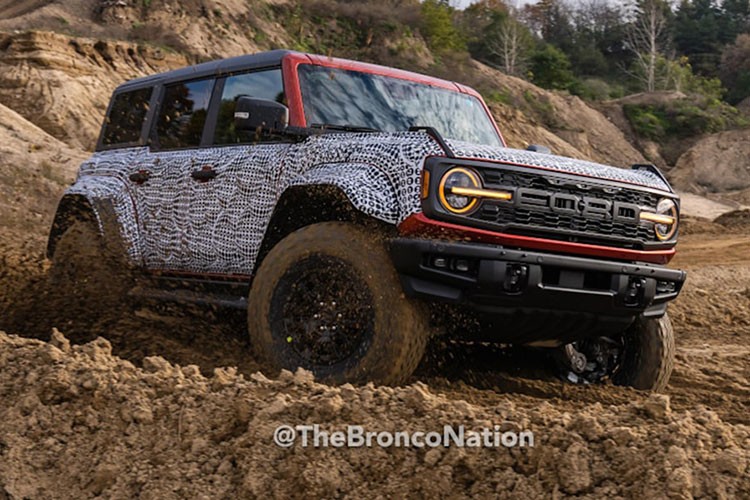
602	359
322	310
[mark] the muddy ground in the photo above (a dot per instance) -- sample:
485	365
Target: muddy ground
159	410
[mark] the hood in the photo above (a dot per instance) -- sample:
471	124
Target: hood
556	163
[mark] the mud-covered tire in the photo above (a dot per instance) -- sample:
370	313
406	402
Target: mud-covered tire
387	331
648	357
85	272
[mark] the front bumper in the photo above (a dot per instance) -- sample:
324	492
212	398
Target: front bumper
496	280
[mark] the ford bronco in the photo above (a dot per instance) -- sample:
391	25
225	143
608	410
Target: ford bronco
353	210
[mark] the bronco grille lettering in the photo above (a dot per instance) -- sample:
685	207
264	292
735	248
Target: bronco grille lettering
570	204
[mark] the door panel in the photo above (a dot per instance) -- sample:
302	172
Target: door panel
163	200
229	214
163	210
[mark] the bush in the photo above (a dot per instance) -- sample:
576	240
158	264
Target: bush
365	13
591	89
495	96
677	74
646	121
683	118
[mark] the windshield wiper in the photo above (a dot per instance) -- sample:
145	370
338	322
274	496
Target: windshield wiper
342	128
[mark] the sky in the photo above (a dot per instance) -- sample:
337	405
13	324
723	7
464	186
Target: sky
462	4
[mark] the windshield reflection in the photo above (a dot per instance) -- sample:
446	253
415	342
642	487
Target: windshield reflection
355	99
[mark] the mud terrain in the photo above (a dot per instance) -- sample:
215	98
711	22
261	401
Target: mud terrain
166	403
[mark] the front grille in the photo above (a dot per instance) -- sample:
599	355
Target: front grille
530	213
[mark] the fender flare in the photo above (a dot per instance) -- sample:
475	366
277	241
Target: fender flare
105	202
368	188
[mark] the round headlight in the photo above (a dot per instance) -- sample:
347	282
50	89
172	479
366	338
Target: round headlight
668	208
462	179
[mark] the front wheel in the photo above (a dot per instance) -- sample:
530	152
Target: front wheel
648	355
642	357
328	299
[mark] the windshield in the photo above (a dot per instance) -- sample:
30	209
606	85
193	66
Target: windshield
341	98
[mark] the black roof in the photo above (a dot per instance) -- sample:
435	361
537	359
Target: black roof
212	68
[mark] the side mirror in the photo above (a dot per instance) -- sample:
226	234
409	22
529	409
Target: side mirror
260	115
539	149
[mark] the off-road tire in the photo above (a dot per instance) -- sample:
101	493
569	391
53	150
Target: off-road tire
399	332
648	357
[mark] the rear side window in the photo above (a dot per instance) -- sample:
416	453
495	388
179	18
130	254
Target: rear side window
261	85
183	114
126	116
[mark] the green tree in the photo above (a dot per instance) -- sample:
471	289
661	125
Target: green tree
600	32
735	15
552	20
698	34
437	27
550	68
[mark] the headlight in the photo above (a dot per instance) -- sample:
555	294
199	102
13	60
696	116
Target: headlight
463	181
666	219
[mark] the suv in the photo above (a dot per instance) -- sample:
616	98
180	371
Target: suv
354	209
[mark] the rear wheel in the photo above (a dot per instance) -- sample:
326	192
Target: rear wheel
86	277
328	299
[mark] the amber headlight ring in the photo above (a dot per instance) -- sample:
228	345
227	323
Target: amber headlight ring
465	181
666	219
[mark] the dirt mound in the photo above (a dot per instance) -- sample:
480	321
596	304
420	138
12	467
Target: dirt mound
34	168
695	225
694	205
63	85
651	98
98	425
720	163
738	219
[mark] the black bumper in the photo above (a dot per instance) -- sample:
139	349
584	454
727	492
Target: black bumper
496	280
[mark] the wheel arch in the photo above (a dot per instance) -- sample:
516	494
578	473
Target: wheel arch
72	207
303	205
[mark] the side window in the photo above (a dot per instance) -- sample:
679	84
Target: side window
126	115
183	114
260	84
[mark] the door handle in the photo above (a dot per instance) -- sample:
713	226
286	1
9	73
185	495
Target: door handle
140	176
205	174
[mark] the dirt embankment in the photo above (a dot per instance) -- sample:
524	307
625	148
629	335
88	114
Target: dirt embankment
34	168
63	84
718	164
97	425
